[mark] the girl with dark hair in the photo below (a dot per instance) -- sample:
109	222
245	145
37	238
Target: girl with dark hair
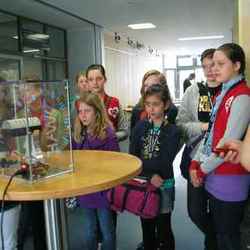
139	113
150	78
226	184
156	141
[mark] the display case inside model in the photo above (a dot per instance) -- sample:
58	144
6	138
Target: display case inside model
35	129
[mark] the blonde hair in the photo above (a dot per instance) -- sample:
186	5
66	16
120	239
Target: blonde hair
80	73
101	122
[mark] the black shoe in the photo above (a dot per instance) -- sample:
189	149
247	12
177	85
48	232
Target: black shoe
140	246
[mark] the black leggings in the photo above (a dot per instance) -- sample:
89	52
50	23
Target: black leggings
32	215
197	203
157	233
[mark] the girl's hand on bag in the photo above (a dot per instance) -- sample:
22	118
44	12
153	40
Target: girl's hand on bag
156	180
195	180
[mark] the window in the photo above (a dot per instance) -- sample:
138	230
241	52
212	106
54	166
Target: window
56	42
56	70
171	79
170	61
186	65
32	66
8	32
40	46
183	61
34	39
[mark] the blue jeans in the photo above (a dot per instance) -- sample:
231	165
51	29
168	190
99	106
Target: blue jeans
104	216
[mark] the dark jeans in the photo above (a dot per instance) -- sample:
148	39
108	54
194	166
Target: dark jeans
157	232
104	217
99	235
227	217
198	211
245	228
32	217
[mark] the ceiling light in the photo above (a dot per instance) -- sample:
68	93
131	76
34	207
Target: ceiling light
139	26
31	50
37	36
200	38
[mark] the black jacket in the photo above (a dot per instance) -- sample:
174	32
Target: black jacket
169	144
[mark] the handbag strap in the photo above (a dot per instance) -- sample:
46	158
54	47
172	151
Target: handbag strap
112	196
124	198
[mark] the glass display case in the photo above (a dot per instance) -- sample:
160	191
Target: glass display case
35	129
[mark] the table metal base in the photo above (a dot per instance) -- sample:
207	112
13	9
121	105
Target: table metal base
56	224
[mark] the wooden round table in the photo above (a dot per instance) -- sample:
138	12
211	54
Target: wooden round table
94	171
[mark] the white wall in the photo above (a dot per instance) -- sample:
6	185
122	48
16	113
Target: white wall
125	69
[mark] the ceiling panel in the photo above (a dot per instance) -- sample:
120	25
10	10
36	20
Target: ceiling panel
173	18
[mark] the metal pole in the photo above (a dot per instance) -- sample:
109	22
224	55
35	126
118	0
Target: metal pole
56	225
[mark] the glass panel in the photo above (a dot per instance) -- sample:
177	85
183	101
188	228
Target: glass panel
35	127
8	32
9	69
56	70
32	66
57	46
185	61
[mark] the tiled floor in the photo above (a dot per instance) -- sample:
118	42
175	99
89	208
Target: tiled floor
128	230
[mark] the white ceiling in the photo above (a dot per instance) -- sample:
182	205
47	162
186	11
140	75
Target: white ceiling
173	18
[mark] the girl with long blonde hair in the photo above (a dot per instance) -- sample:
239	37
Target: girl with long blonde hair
92	131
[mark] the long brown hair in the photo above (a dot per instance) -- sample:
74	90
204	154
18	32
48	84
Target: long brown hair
101	122
162	81
153	72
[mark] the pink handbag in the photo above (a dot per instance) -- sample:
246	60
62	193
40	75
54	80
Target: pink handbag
136	196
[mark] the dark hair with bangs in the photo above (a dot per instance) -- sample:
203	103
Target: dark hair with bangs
208	53
96	67
160	90
235	53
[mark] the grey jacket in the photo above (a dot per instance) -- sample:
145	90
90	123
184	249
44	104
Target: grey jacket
187	117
